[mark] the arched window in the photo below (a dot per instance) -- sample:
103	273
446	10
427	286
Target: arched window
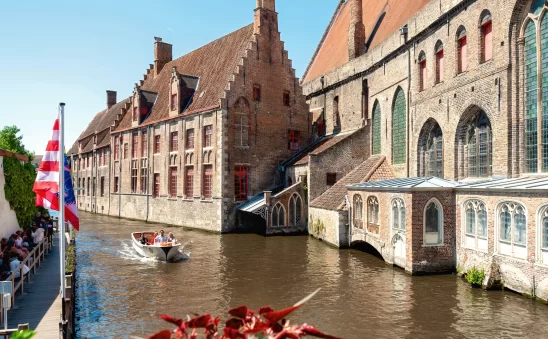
543	235
486	30
433	223
478	146
422	71
278	216
462	50
241	122
399	128
439	61
398	215
512	222
295	210
430	157
373	215
336	115
376	127
475	225
358	211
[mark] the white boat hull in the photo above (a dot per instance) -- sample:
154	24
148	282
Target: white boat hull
163	253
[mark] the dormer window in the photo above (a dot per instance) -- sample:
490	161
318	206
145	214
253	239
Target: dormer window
257	93
135	113
173	101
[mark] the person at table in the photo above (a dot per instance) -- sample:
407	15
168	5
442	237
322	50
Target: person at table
160	238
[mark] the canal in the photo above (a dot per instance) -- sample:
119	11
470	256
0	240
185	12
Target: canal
360	297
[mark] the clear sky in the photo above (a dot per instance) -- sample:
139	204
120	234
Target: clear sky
72	51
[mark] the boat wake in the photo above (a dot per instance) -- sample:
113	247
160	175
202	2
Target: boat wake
128	252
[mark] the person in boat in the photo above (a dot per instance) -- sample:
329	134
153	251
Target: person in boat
160	238
171	238
143	240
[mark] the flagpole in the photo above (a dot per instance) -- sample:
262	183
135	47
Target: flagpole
62	206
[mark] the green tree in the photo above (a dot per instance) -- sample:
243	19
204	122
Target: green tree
11	141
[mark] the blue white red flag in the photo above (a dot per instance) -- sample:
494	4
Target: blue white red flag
46	185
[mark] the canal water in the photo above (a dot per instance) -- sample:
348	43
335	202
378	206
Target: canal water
361	297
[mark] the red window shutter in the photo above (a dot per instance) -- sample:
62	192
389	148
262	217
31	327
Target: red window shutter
156	185
422	78
173	182
241	178
208	181
439	66
189	182
462	55
487	35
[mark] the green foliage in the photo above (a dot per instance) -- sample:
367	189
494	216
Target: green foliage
318	226
70	264
10	141
19	182
26	334
475	276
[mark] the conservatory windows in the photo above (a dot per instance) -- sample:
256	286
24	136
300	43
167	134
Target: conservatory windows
512	226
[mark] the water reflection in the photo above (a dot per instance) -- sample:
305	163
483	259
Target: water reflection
361	296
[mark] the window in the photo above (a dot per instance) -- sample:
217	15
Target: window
422	71
479	144
336	115
373	215
486	36
134	173
126	147
433	223
135	113
398	215
531	98
278	216
376	127
173	101
462	50
257	93
173	182
87	161
242	129
174	142
331	179
430	147
208	135
399	128
208	182
94	187
190	138
543	235
116	184
295	210
358	211
475	225
88	188
241	178
286	98
144	176
99	157
512	230
439	62
134	144
293	140
102	189
144	143
156	192
156	144
189	182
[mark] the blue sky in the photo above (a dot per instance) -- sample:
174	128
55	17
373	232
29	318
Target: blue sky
73	51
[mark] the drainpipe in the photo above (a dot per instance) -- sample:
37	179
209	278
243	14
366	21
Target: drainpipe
324	132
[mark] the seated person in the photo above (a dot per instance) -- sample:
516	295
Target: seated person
38	234
143	239
3	244
153	239
19	243
160	238
14	265
171	238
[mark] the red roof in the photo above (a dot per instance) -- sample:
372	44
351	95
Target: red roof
4	153
213	63
332	52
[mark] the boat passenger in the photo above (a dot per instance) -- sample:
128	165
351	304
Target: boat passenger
171	238
143	240
160	238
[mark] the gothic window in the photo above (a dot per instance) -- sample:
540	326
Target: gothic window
476	146
373	215
462	50
531	99
399	128
241	129
486	30
422	71
295	210
439	61
433	223
545	232
430	157
376	127
278	216
398	215
475	224
512	222
358	211
543	235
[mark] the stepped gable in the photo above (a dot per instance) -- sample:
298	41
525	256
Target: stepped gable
213	63
381	18
374	167
323	146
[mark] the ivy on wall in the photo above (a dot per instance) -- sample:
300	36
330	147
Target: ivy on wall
18	188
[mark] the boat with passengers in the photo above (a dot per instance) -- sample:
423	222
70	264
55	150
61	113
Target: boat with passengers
152	245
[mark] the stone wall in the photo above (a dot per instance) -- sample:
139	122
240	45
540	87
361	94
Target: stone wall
329	226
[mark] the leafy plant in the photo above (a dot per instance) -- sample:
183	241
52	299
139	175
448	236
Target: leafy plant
25	334
242	324
10	141
71	259
475	276
18	188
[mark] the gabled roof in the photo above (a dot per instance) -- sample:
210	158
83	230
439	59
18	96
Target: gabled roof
534	183
213	64
324	145
430	183
381	18
333	198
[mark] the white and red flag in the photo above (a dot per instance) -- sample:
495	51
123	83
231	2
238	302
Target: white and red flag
47	183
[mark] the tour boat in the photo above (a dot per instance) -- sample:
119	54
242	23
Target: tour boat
164	251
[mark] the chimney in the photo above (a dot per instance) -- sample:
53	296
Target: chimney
267	4
262	14
111	99
163	53
356	31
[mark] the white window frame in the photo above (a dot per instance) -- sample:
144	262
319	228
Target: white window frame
510	248
400	203
542	251
441	229
481	243
293	204
276	209
354	198
375	201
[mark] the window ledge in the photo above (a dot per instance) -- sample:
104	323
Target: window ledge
189	150
188	199
505	256
462	73
242	147
206	201
541	264
432	245
475	249
172	199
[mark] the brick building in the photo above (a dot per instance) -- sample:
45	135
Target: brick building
200	134
448	100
